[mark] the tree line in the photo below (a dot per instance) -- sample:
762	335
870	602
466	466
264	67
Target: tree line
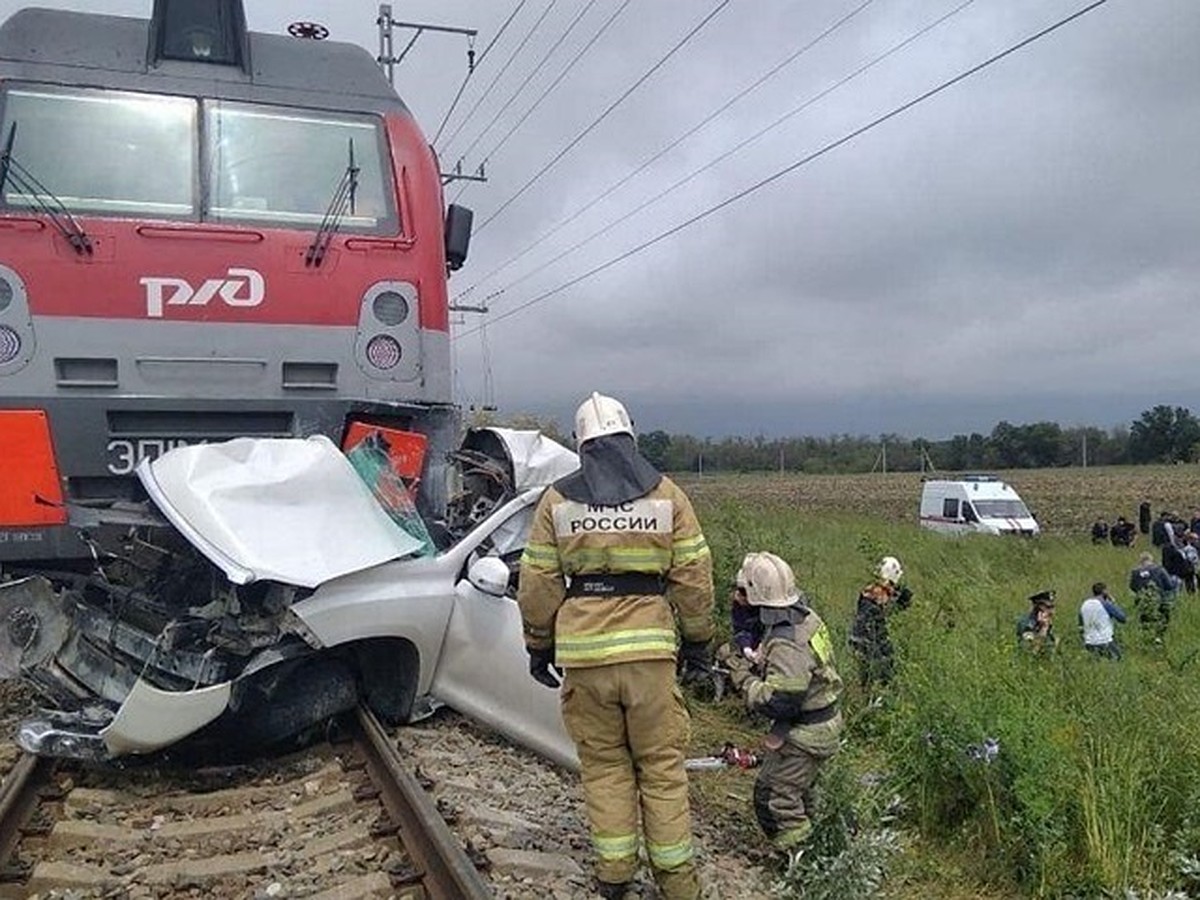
1163	434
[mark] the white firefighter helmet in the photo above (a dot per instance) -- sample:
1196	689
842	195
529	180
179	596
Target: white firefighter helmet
769	581
599	415
890	570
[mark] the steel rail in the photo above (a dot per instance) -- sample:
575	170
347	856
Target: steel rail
448	872
18	799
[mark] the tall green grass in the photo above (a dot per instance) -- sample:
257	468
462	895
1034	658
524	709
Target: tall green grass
1091	785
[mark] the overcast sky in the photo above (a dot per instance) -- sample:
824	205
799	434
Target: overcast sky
1024	245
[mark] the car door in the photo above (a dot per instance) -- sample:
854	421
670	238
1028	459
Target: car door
483	669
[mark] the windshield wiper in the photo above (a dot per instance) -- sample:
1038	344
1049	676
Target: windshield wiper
343	201
42	196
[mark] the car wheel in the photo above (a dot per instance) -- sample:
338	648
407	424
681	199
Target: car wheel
292	708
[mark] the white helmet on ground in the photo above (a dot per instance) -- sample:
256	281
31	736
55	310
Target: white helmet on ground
769	581
890	570
599	415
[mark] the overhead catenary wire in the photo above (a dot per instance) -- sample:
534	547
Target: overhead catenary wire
550	88
471	69
605	114
525	83
512	57
800	163
737	148
616	185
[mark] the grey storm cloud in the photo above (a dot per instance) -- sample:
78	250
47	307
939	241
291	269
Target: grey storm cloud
1020	246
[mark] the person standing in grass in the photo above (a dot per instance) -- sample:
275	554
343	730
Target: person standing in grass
869	634
793	681
1154	590
1096	616
1035	629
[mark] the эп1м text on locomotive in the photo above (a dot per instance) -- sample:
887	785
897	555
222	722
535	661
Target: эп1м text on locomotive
206	233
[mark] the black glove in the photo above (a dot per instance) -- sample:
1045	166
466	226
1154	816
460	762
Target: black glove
695	661
903	597
542	668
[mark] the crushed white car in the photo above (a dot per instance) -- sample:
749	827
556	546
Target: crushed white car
276	591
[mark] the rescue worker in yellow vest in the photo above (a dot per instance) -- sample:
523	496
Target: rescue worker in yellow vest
615	555
792	680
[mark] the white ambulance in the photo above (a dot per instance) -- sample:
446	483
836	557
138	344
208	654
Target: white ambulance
975	503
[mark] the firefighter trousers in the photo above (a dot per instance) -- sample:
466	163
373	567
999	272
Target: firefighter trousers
631	729
783	795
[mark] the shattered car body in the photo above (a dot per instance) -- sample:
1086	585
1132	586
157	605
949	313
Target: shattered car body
276	591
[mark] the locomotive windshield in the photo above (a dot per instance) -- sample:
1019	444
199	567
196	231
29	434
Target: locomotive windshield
120	153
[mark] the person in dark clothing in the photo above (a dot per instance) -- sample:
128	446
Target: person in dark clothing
1154	590
1189	549
1176	562
869	634
1035	629
1144	517
1165	530
1099	531
1123	533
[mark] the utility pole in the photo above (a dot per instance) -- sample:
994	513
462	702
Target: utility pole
388	59
387	25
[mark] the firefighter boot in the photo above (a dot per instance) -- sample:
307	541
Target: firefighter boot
610	890
678	884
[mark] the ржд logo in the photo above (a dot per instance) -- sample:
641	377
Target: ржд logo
243	287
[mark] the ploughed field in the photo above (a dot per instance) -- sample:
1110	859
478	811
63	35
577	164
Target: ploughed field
1065	501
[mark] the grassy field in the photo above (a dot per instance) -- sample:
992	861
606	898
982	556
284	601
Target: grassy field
1095	788
1065	501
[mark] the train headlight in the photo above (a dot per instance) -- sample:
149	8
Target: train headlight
10	344
383	351
6	294
389	307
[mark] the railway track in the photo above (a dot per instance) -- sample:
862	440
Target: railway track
337	821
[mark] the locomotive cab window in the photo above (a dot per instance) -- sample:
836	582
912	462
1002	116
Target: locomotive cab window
100	151
296	168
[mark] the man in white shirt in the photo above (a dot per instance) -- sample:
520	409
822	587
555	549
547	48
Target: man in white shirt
1096	617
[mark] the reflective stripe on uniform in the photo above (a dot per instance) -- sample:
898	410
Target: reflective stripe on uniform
599	560
822	645
689	550
788	685
613	847
790	837
577	648
669	856
541	556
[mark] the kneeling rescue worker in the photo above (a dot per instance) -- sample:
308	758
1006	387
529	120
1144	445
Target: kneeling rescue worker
614	553
794	682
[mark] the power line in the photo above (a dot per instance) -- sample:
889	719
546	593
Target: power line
562	223
508	62
737	148
471	65
561	75
533	72
803	161
579	137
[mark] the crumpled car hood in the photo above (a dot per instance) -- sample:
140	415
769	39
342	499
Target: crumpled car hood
537	461
280	509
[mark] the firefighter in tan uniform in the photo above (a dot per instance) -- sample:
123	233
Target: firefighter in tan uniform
792	680
615	556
